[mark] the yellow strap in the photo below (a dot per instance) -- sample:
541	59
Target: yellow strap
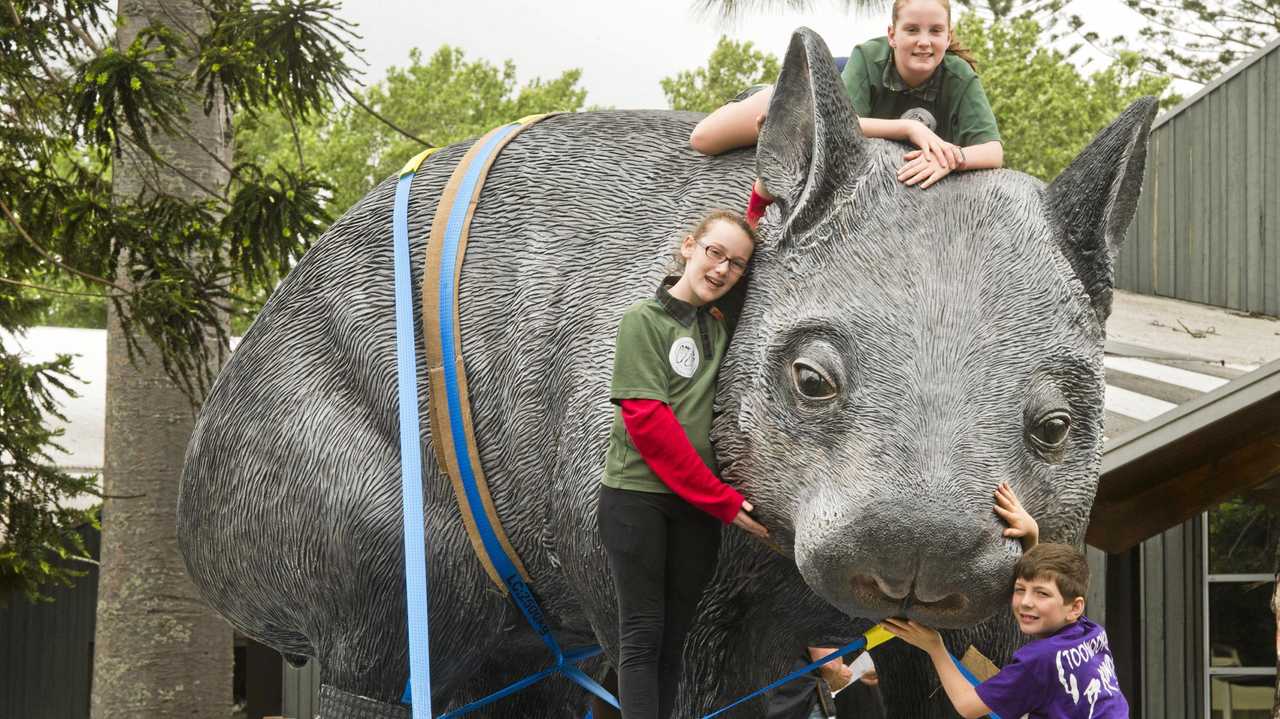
877	635
413	164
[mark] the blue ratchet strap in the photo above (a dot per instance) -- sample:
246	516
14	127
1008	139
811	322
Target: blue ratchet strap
873	638
415	561
964	671
451	428
571	656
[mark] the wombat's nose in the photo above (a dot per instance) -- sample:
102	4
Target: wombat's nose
903	594
894	588
934	561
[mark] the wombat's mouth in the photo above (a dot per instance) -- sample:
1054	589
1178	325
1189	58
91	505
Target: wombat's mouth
874	594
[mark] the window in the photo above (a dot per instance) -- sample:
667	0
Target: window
1239	625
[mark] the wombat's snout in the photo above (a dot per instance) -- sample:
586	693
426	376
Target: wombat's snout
937	562
875	590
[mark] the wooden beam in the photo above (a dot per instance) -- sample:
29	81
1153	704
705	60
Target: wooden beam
1120	523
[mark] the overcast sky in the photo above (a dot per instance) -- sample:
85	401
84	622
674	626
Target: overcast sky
623	48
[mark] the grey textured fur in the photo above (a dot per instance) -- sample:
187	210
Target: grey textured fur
951	322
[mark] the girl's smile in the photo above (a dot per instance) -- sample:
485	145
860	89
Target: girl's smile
713	263
715	279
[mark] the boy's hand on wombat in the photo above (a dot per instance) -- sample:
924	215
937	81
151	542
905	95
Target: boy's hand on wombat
1022	525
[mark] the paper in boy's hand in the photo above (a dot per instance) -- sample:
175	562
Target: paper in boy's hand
859	667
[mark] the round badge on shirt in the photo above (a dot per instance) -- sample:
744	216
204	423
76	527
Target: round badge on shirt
684	357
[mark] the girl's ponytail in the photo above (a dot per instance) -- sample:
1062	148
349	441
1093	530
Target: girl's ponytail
958	49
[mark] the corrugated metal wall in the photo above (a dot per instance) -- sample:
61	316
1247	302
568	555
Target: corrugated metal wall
1208	224
302	691
46	649
46	657
1172	616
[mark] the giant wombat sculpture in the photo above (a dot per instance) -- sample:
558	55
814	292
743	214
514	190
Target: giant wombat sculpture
900	353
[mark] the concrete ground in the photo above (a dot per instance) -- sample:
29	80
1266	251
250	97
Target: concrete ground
1163	328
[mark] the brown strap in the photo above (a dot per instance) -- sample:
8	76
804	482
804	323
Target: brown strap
979	665
442	436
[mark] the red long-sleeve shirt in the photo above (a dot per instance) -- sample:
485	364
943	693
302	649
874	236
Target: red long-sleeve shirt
665	447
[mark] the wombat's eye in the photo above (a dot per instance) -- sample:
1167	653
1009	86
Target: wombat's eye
1051	430
811	381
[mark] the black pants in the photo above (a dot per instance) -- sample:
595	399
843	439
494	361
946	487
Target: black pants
662	552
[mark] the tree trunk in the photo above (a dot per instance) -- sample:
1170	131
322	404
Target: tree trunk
159	650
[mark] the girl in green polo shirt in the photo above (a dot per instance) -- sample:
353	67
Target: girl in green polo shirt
918	66
660	498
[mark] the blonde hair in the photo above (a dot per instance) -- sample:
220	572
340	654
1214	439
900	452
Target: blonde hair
734	218
956	47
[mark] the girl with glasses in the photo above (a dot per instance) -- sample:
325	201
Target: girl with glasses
661	503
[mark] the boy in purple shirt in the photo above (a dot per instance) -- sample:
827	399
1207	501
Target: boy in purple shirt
1065	671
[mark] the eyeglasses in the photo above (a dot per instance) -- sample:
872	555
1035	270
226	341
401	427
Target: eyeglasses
717	255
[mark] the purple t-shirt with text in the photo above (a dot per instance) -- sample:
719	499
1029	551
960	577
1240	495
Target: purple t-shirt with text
1067	674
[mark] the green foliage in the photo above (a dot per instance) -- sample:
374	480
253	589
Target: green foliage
732	68
88	312
135	87
175	268
172	267
285	55
442	100
1047	109
1244	535
31	32
58	301
1193	40
1190	40
36	522
276	207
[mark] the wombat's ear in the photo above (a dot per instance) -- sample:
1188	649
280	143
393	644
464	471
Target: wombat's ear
1094	199
810	143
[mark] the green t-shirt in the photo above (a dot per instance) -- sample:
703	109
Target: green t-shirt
669	351
953	94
